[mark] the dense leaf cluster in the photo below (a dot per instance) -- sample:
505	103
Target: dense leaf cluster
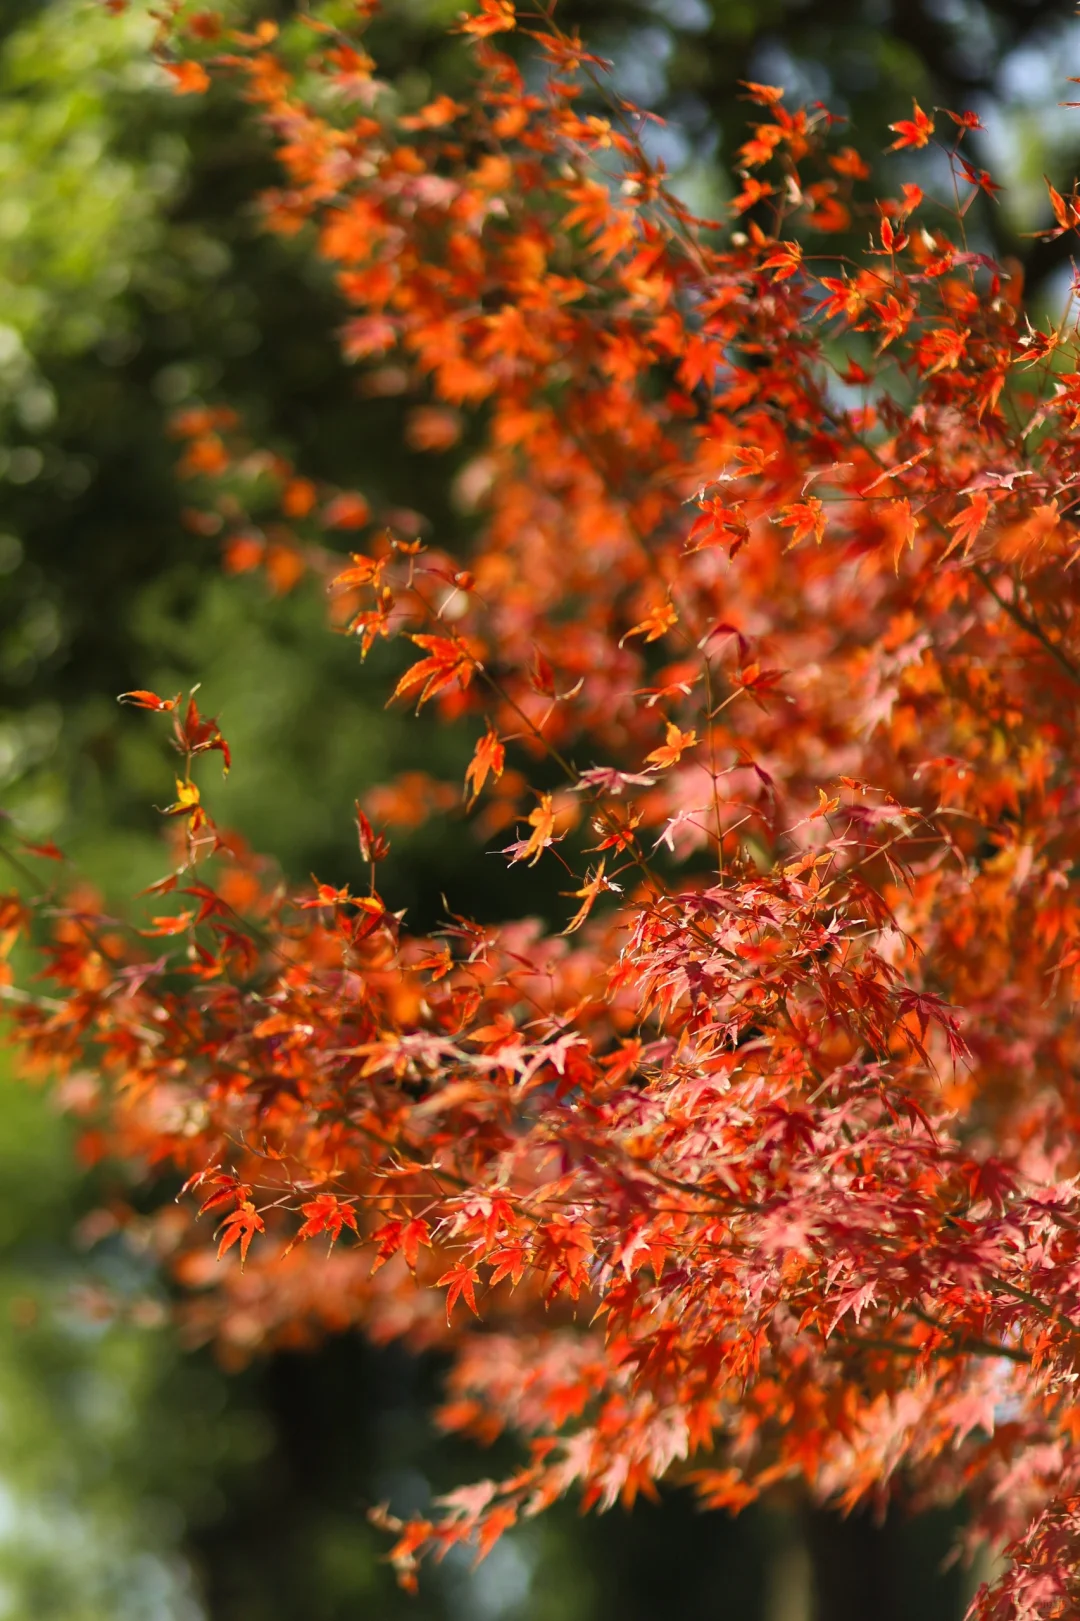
762	1169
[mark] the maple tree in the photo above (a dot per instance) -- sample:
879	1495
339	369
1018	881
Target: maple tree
760	1167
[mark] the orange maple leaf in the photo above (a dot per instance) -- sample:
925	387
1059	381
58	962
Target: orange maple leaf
1066	211
189	78
804	518
785	261
448	662
657	622
542	821
903	528
674	746
148	700
766	95
494	17
587	895
365	571
489	756
241	1226
825	806
460	1282
913	131
326	1214
968	524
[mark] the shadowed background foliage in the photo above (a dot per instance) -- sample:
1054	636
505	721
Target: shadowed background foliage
137	1481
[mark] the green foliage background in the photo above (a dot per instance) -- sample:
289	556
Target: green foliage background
136	1481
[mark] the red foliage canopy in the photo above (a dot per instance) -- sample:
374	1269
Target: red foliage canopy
764	1168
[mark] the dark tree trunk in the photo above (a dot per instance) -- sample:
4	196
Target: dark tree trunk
864	1570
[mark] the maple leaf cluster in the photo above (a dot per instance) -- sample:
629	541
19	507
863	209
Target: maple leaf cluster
764	1169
